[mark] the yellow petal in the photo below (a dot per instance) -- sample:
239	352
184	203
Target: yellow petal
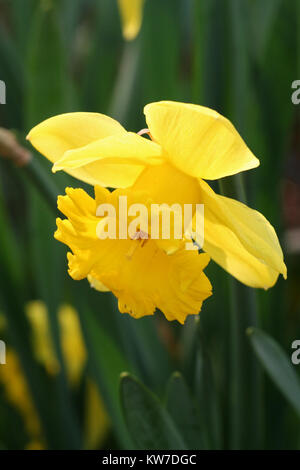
198	140
111	175
166	184
94	148
124	148
140	274
43	346
15	387
72	343
96	419
98	285
127	149
241	240
55	136
131	15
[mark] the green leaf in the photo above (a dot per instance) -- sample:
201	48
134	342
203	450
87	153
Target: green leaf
277	365
105	364
149	424
245	397
144	349
208	398
184	412
10	255
261	19
48	86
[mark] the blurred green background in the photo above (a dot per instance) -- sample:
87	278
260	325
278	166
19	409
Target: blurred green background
61	385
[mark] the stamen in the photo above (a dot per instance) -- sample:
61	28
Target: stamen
144	131
139	236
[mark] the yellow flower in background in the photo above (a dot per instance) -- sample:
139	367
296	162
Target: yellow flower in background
73	347
16	390
17	393
131	12
139	272
13	380
72	343
34	445
97	423
189	143
37	315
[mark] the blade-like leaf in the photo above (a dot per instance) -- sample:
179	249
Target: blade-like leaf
48	86
105	365
277	365
148	422
261	19
184	412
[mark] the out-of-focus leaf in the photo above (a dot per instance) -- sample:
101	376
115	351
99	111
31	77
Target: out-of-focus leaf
261	18
53	413
149	424
22	13
125	82
47	94
208	399
277	365
210	51
10	248
160	58
48	90
182	408
106	364
99	63
144	349
245	395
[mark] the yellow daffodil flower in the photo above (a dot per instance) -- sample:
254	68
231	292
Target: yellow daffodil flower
189	143
37	314
97	423
14	383
72	343
131	12
18	394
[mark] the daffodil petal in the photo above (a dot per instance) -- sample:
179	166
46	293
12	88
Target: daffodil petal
111	175
121	149
56	135
198	140
241	240
98	285
131	15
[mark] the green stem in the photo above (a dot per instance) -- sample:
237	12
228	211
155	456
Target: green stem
245	374
41	180
126	80
245	386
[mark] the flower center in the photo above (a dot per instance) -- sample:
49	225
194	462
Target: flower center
142	237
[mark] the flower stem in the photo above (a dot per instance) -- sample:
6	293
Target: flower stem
245	385
11	149
126	80
41	180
